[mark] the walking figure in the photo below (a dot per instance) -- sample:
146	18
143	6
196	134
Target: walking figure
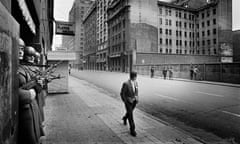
170	72
164	73
191	72
129	95
152	72
195	72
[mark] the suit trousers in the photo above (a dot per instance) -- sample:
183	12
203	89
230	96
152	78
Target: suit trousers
129	114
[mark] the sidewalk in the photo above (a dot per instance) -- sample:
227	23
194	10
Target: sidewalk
88	115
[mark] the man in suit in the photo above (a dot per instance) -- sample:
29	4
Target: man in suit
129	95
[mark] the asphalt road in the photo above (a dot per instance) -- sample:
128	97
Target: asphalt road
198	108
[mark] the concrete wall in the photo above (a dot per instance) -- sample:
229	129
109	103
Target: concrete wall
156	58
9	35
219	72
236	46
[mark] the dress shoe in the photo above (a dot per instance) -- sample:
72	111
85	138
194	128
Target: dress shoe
124	121
133	133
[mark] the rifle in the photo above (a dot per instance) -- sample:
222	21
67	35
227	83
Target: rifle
40	76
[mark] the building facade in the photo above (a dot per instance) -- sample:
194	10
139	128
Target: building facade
90	45
102	34
76	15
188	28
182	28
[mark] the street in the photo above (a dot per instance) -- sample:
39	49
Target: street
198	108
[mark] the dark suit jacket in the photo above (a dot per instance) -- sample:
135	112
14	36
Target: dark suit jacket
127	93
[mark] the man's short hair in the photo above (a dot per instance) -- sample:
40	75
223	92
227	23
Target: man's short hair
133	74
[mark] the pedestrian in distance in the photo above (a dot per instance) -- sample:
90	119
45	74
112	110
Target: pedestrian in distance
129	95
152	72
191	72
170	70
195	72
164	72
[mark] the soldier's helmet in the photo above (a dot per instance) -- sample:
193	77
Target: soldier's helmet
21	48
29	54
37	57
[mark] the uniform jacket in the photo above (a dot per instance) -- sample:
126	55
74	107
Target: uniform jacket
29	120
127	93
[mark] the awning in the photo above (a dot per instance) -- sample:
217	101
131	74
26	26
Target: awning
27	16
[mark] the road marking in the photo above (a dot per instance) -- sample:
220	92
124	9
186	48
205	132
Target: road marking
210	94
230	113
168	97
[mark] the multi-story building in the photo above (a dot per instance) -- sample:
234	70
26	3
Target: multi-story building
76	15
155	32
132	27
90	45
194	29
102	34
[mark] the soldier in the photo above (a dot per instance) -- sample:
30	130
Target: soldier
29	120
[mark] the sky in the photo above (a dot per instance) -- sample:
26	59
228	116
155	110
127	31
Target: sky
62	8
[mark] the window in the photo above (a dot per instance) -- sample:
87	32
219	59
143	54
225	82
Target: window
214	21
170	32
202	24
166	31
208	42
160	11
198	34
208	32
176	33
166	50
176	23
208	13
214	31
185	25
190	25
203	33
180	42
190	34
214	41
160	30
180	33
176	42
166	12
160	50
176	14
214	11
166	22
170	41
160	40
180	14
176	51
185	15
166	41
160	21
203	43
170	22
170	12
185	34
185	43
180	24
197	25
170	50
198	43
208	23
202	15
